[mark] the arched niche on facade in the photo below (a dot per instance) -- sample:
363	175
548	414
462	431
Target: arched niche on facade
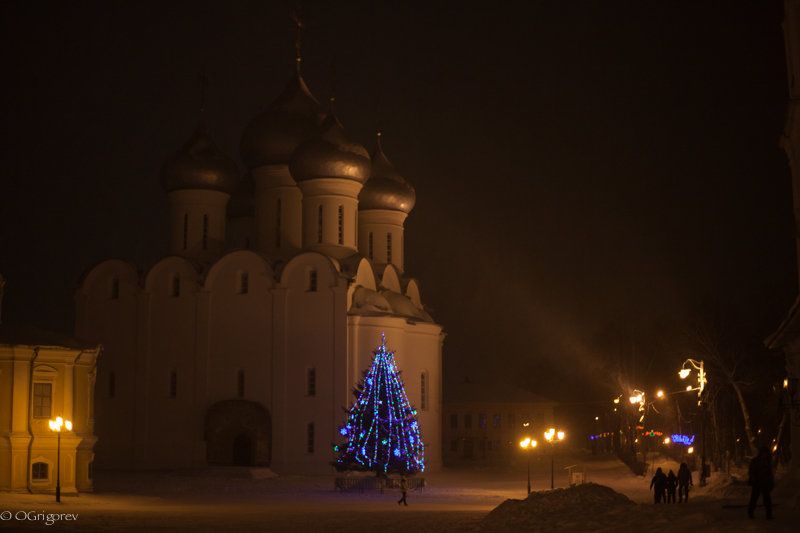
238	433
161	278
390	279
307	269
240	270
412	292
113	278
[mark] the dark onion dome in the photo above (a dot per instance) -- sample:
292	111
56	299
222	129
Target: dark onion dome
386	189
200	165
293	118
331	154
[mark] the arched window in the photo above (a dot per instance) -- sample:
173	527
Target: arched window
115	288
205	232
341	224
312	280
388	247
311	382
310	437
370	246
244	283
173	384
176	286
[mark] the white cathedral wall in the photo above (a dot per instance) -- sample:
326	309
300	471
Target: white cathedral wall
239	331
173	423
310	334
112	322
273	183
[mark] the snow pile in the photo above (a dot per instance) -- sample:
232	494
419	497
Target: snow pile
557	509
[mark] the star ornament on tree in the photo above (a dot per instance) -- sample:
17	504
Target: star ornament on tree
382	429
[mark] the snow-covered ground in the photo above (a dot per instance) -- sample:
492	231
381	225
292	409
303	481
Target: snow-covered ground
454	500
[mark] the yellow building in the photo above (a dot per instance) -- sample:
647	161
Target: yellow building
44	376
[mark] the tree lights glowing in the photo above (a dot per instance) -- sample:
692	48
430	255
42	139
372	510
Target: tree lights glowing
381	430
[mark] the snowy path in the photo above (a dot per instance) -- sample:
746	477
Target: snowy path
453	501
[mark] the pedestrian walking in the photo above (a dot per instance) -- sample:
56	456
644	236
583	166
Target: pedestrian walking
672	485
761	481
659	483
404	490
684	482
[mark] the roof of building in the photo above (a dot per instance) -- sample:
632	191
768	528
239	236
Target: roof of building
489	393
25	335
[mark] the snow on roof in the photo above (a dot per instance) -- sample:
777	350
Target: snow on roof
25	335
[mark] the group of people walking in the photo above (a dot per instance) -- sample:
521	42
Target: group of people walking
761	481
665	485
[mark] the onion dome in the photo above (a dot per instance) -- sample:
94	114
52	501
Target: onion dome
386	189
200	165
331	154
293	118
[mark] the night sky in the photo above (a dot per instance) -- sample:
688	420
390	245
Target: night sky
584	170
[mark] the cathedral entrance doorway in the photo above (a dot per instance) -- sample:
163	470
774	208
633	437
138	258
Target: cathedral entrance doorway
238	433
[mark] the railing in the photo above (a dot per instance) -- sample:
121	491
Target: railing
375	484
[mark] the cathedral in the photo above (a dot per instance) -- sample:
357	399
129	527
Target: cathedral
244	345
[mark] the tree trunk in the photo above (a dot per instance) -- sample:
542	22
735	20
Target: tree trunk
751	440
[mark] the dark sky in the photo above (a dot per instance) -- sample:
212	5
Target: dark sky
581	167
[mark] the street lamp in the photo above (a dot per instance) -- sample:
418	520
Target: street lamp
552	437
56	425
527	444
701	385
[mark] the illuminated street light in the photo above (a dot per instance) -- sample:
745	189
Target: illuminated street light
552	437
56	425
660	394
701	385
527	444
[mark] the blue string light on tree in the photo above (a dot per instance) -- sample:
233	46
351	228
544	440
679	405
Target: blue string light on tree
381	430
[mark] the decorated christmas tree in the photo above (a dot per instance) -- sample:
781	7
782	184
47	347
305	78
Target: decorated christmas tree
381	430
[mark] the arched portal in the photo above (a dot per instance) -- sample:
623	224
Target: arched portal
238	433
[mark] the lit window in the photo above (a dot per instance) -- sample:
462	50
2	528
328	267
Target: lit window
39	471
388	247
310	437
312	281
205	232
173	384
311	382
42	399
341	225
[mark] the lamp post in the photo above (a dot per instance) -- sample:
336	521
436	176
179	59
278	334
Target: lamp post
552	437
701	384
527	444
57	425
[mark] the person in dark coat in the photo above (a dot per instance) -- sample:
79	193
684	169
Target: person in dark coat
672	484
404	490
761	481
684	482
659	482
